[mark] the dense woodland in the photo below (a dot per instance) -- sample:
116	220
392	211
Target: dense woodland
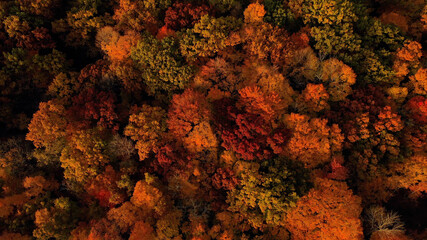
213	119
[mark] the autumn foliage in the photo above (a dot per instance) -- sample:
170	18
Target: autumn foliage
213	119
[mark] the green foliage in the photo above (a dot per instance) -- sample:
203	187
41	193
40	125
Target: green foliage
281	16
224	6
160	62
266	193
208	36
57	221
333	40
333	12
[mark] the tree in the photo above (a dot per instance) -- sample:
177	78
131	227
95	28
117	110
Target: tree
168	226
224	178
148	196
312	142
409	174
303	68
273	44
254	101
208	36
57	221
281	14
128	215
104	188
116	46
161	65
80	26
92	107
384	225
418	82
328	211
396	19
48	126
338	79
417	108
84	155
40	7
104	229
254	13
139	15
189	119
146	127
369	120
14	236
142	231
225	6
314	98
265	193
407	58
249	134
184	15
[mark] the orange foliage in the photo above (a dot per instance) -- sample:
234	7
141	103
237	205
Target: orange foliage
148	196
119	50
396	19
38	185
418	82
313	142
410	174
406	57
189	116
329	211
14	236
105	189
142	231
254	13
48	124
314	98
127	215
164	32
410	52
145	127
104	229
254	101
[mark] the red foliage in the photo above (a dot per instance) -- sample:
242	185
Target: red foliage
94	107
184	15
249	135
417	107
92	73
363	103
104	188
37	39
170	160
337	170
224	178
187	110
164	32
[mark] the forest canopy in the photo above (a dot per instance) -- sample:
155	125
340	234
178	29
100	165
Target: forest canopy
213	119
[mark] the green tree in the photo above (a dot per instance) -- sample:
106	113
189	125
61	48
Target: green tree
161	64
267	191
208	36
